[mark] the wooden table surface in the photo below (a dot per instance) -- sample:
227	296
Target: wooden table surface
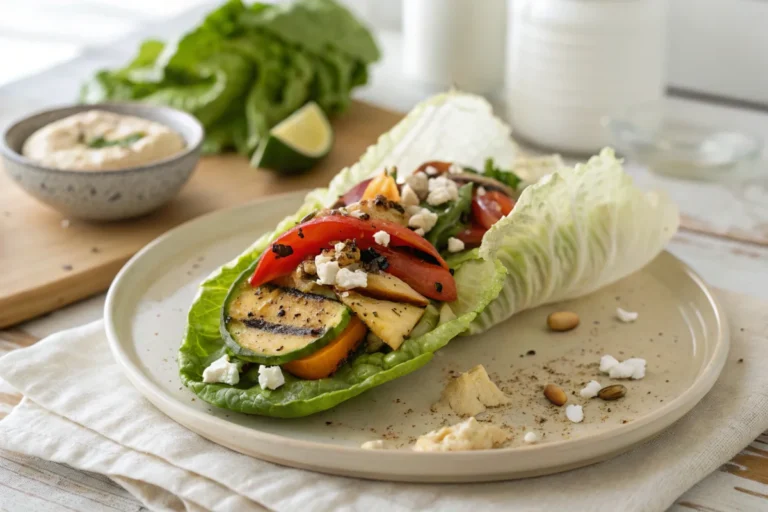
725	243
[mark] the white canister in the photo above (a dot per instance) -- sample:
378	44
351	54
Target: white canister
455	43
572	62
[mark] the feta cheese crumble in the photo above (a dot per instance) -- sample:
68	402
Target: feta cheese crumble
467	435
607	362
326	269
591	389
346	279
621	371
270	377
381	238
481	191
626	316
471	393
221	370
423	219
378	444
531	437
412	210
419	232
633	368
431	171
575	413
442	190
455	169
340	246
419	183
408	197
455	245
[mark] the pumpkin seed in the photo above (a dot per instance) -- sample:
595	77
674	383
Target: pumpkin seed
612	392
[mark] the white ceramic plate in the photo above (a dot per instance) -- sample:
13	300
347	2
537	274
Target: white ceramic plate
681	332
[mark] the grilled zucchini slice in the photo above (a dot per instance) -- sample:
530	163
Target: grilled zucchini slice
272	325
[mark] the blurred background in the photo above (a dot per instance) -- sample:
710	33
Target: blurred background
556	67
717	47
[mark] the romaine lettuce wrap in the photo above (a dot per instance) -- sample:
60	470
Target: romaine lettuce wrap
442	228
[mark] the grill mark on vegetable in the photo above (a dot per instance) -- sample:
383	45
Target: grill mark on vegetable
439	287
305	296
301	233
263	325
282	250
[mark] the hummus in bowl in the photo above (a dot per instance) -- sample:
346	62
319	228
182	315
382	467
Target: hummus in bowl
98	140
108	161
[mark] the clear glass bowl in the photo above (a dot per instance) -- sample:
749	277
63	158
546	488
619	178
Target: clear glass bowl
681	148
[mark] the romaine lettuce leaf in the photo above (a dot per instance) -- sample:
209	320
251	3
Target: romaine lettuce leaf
316	25
265	59
436	129
138	79
208	93
572	233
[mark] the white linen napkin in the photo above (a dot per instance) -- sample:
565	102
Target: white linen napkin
80	410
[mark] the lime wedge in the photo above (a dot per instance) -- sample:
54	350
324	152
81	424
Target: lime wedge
297	142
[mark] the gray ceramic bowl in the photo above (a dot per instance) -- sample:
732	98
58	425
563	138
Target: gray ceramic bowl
104	195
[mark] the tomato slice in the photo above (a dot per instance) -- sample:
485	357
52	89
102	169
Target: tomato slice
310	238
472	236
505	202
488	208
430	280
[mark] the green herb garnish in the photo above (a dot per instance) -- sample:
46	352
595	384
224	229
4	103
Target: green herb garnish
451	217
490	170
101	142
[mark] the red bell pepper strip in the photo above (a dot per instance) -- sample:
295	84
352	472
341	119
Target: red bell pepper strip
430	280
310	238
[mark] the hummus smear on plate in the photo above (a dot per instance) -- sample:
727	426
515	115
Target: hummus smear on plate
97	140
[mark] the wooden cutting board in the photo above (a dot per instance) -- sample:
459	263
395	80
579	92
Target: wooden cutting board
44	266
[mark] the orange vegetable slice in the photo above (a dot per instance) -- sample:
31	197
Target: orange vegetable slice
325	361
384	185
